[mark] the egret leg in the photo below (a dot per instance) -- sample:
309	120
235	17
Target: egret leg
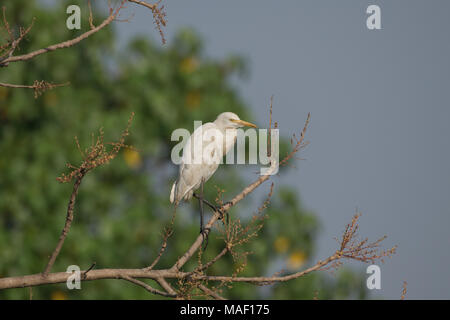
209	204
203	231
214	208
201	207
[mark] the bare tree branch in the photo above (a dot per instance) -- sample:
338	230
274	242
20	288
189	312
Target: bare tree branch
350	246
7	50
162	281
353	251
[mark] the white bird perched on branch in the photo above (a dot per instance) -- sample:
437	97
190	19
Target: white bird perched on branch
202	153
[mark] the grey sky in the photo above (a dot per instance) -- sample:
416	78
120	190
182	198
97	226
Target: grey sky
380	114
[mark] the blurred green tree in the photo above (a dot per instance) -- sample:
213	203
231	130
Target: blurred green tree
123	207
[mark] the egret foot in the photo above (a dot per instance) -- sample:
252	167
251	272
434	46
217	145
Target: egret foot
205	234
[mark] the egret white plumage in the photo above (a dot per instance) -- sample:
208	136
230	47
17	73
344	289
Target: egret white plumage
202	153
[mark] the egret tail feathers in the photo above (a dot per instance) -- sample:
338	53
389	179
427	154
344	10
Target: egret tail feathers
172	192
180	191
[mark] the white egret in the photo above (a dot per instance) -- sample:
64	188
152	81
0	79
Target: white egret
202	153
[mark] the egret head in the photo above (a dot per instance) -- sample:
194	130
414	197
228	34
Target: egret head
230	120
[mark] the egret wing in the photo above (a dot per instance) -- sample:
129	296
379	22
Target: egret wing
201	158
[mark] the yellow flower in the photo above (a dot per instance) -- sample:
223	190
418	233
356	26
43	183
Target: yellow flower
3	93
296	259
193	99
132	158
188	65
50	98
58	295
281	244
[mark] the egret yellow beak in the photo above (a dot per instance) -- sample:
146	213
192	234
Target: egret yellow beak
244	123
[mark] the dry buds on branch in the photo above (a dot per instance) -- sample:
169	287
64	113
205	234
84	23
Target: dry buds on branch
352	247
12	42
98	154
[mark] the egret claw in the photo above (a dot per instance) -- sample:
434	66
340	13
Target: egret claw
205	234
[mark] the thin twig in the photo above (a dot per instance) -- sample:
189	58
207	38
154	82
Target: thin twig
210	292
147	286
67	224
89	269
404	290
167	234
38	86
214	260
91	19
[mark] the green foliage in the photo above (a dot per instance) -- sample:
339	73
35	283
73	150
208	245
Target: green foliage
123	207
